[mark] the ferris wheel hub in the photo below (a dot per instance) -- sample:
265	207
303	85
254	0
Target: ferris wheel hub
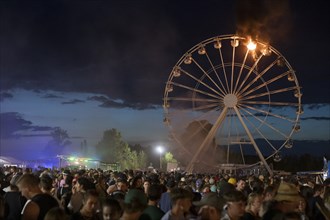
230	100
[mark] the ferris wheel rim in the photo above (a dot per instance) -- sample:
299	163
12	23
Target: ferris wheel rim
166	98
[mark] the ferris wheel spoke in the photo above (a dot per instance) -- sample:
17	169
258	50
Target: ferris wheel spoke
232	68
248	74
266	83
239	142
261	157
206	85
181	145
259	132
242	153
191	99
269	93
203	107
208	138
206	74
215	71
205	114
259	76
229	135
268	113
240	71
266	123
195	90
270	103
224	70
200	128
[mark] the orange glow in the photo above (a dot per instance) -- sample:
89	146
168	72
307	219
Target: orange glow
251	45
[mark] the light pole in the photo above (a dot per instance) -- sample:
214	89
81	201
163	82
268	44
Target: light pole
160	150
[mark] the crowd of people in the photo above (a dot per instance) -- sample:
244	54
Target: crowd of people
46	194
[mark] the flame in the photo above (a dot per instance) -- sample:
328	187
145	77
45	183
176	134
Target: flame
251	45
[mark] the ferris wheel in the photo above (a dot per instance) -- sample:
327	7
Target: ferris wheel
230	97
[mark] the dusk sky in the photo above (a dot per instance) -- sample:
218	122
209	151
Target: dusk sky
89	66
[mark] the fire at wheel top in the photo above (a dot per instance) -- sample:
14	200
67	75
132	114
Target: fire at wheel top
232	100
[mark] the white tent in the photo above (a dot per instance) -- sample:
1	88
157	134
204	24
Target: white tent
10	161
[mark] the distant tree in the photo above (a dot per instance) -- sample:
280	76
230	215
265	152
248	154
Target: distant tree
169	158
142	159
112	149
111	146
60	139
296	163
136	147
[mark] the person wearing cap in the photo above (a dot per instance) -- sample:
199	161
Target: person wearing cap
65	184
181	202
65	174
286	200
226	185
134	204
209	207
232	181
213	187
199	185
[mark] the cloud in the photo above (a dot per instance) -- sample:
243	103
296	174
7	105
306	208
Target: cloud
73	101
51	96
108	55
5	95
123	57
315	118
316	106
108	103
12	123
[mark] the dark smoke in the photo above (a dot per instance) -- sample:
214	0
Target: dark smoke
263	19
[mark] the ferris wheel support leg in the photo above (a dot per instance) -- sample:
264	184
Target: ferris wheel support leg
253	142
208	139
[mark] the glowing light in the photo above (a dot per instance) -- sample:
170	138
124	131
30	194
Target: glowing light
160	149
251	45
71	158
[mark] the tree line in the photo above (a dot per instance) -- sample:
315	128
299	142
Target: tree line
113	149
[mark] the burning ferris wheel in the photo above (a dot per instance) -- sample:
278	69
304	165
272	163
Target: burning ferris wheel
230	97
